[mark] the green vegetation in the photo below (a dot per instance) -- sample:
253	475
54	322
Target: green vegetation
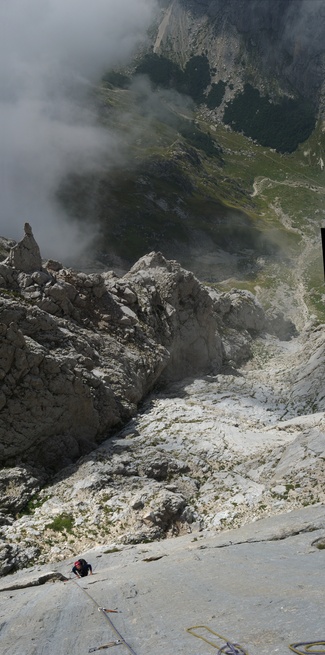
281	126
197	77
215	95
114	549
116	79
32	505
191	81
61	523
12	294
161	71
201	140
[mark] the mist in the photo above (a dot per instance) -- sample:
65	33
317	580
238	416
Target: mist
52	53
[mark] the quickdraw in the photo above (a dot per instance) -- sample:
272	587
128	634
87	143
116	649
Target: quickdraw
104	609
105	613
118	642
227	649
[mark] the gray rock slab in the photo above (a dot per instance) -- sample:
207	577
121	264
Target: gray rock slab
261	586
31	581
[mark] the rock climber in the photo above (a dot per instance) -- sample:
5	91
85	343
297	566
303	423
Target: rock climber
81	568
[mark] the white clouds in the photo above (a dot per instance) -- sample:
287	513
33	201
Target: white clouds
82	35
50	51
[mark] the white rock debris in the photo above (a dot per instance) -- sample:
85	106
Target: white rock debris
234	432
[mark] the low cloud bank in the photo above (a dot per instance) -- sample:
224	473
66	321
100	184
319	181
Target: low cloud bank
52	53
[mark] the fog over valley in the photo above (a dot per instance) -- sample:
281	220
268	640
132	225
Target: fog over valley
51	54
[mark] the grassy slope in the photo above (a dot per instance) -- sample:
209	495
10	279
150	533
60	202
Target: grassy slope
289	194
249	218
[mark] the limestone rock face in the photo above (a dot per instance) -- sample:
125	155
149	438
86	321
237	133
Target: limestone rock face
79	351
273	604
240	318
285	36
181	312
212	447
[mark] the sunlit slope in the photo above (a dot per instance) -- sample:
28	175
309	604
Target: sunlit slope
234	212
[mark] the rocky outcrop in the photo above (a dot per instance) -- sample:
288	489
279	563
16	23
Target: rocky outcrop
25	256
79	351
240	319
180	312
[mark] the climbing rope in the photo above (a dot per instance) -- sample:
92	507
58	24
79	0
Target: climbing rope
302	648
104	611
305	648
227	649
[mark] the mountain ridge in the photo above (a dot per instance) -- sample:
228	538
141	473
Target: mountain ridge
281	41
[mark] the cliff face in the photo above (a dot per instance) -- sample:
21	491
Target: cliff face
79	352
277	45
